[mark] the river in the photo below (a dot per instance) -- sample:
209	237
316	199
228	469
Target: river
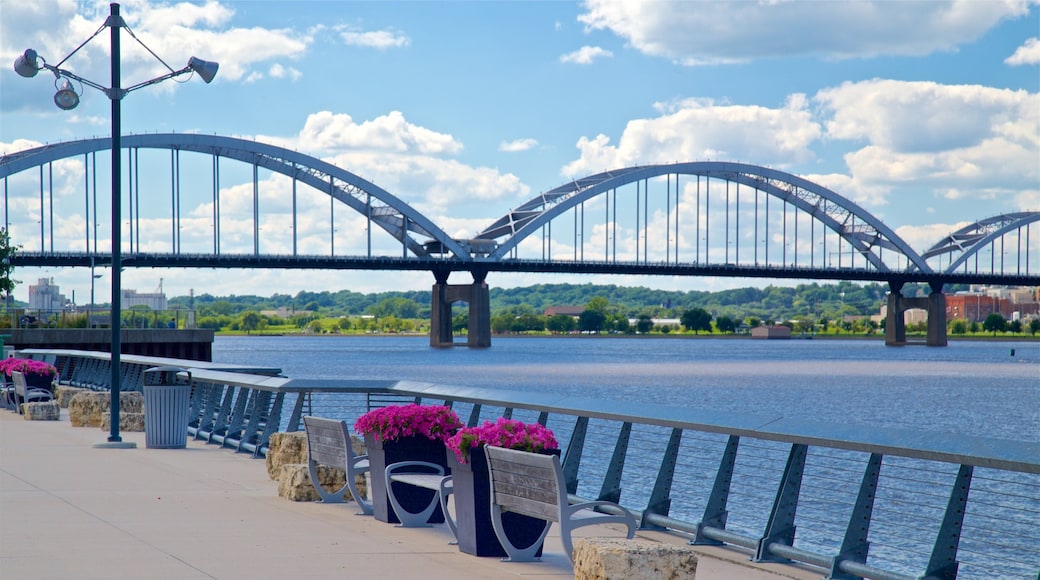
983	388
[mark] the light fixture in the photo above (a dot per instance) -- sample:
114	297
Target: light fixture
204	68
66	98
27	64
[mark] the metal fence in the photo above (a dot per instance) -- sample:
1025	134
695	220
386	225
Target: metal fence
853	501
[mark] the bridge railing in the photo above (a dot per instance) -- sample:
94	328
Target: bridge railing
852	500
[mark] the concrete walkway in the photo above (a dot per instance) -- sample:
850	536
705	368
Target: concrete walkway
71	511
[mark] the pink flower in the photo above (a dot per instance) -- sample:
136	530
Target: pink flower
532	437
27	367
397	421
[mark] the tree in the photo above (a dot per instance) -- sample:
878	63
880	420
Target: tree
1015	326
599	304
1034	326
696	319
591	321
725	324
959	326
561	323
7	252
644	324
250	321
994	323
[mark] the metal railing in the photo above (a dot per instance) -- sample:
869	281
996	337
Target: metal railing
854	501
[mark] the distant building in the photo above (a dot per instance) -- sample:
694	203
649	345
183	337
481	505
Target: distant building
770	332
153	300
46	296
564	310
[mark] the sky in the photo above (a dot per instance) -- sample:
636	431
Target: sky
926	114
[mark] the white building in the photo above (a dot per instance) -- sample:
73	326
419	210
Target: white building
153	300
46	296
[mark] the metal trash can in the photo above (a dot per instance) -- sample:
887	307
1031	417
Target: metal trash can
166	397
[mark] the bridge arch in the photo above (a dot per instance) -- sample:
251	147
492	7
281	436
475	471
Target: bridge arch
390	213
865	233
970	240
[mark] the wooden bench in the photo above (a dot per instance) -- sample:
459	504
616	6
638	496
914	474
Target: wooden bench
23	393
532	484
431	477
328	443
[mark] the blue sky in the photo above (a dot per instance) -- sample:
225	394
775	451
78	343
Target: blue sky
925	113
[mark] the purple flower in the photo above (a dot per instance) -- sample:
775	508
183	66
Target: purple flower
397	421
509	433
27	367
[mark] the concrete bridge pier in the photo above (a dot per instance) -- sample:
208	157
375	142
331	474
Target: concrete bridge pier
934	304
476	295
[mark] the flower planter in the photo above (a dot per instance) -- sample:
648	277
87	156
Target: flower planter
476	535
39	381
414	499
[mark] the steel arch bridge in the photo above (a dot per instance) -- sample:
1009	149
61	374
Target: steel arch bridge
707	218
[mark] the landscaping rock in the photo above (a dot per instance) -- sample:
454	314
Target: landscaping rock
602	558
283	449
127	421
64	394
86	409
44	411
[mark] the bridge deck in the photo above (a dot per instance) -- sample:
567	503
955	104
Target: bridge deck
69	510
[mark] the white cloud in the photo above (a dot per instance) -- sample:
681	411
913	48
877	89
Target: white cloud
721	32
326	131
174	32
379	39
1027	54
692	130
518	145
585	55
279	71
956	141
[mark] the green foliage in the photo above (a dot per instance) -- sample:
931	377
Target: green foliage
696	319
561	323
644	324
959	326
994	323
725	324
591	321
7	252
1034	326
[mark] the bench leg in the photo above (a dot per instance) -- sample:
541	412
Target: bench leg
326	496
514	554
408	519
448	488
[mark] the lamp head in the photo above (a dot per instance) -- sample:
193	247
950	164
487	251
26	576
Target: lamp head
204	68
66	98
27	64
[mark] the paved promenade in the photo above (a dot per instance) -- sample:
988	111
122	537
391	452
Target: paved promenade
71	511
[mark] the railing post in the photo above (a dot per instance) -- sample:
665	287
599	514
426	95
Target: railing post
573	458
715	512
943	563
474	416
781	528
611	489
661	497
855	546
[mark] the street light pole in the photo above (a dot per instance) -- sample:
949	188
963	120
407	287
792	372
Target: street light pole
27	65
114	23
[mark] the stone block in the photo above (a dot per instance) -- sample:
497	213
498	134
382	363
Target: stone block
64	394
283	449
127	421
602	558
42	411
86	409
